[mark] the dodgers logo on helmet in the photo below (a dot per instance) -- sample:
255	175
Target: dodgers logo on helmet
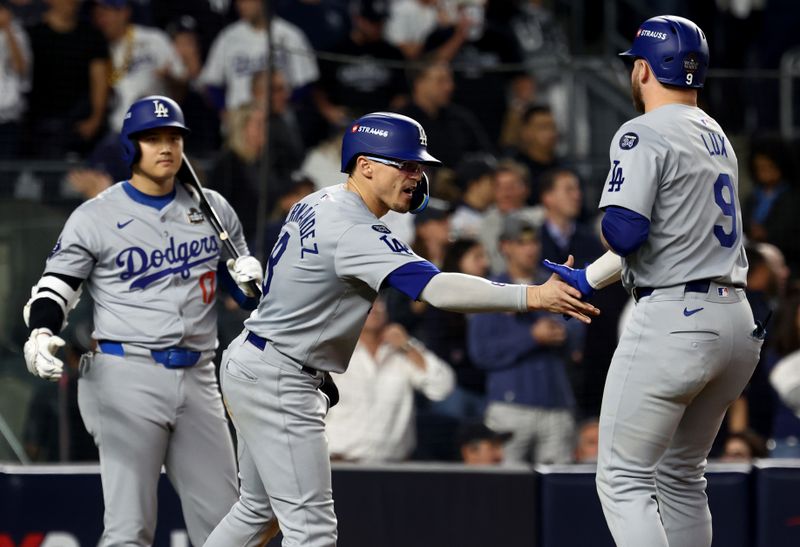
148	113
160	110
387	135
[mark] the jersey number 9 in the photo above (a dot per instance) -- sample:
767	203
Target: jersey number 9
728	207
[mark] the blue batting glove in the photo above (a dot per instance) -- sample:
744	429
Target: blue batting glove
574	278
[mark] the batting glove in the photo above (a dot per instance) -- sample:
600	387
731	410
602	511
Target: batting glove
40	350
243	270
573	277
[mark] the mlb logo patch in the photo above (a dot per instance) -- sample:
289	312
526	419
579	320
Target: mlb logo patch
722	291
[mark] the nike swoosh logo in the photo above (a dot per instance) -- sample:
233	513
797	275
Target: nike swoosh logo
121	225
687	312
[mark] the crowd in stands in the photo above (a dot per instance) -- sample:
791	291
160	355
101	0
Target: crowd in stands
483	79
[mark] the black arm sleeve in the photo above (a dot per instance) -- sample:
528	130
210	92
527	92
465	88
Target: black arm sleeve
46	313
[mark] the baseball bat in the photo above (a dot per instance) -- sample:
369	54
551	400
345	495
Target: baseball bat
188	177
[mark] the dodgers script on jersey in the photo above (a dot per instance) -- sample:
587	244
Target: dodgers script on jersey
661	161
330	260
109	241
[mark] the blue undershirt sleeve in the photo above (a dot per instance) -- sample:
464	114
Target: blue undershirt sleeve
624	230
411	278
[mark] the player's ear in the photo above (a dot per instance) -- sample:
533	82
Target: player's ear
364	166
645	73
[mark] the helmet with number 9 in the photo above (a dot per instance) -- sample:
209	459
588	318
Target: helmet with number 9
148	113
675	48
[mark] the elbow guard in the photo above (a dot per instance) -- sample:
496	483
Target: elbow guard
57	290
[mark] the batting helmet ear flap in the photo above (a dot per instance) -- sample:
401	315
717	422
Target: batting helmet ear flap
421	195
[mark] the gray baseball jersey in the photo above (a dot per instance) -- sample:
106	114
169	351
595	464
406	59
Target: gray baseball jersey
152	276
675	166
150	272
688	349
322	276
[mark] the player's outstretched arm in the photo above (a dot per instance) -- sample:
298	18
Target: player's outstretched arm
469	294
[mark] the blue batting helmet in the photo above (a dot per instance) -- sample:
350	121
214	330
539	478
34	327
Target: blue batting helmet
391	136
386	135
148	113
675	48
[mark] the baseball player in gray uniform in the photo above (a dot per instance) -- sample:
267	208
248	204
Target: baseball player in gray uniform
149	396
332	257
691	344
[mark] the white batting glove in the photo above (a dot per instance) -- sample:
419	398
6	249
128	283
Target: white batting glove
244	270
40	350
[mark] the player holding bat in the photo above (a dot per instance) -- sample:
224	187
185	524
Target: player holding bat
152	259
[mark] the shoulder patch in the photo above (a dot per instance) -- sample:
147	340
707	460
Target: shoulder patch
628	140
55	250
381	228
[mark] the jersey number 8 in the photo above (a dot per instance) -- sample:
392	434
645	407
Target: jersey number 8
274	257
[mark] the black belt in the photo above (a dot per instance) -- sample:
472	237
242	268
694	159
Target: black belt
701	286
261	343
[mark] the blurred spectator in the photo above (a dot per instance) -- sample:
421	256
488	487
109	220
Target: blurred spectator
323	161
286	147
524	355
744	447
537	147
366	83
69	89
197	109
586	441
240	50
300	187
236	172
143	61
545	51
432	231
478	47
769	212
777	263
88	182
511	190
15	70
475	177
324	22
410	23
480	445
445	334
210	17
562	234
782	367
374	420
452	131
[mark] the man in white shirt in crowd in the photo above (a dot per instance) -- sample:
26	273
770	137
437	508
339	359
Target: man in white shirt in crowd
15	69
144	61
374	420
240	50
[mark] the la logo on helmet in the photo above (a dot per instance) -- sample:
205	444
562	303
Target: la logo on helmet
160	110
423	138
